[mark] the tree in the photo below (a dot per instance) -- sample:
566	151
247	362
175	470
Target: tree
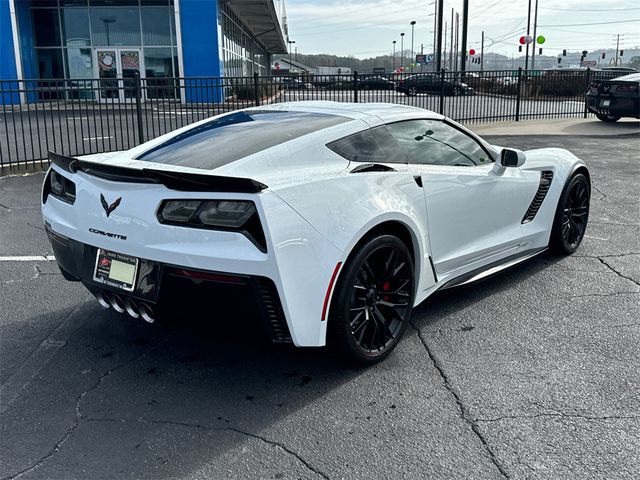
634	62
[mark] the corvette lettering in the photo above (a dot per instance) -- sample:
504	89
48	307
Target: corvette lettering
108	234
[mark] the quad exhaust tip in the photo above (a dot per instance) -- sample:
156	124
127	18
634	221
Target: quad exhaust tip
131	308
102	299
117	303
135	310
147	313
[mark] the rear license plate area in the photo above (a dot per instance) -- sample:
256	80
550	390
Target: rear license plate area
116	270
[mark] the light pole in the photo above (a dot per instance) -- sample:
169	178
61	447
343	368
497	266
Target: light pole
394	56
290	42
402	51
413	24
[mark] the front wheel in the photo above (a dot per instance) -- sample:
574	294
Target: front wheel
607	118
412	92
373	300
572	214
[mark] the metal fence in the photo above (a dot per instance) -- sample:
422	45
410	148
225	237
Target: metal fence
85	116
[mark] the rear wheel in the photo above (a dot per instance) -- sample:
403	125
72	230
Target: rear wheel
607	118
572	214
412	91
373	300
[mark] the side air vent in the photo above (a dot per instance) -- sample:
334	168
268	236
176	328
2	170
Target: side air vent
543	188
272	310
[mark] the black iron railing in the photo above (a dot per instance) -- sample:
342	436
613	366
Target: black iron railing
87	116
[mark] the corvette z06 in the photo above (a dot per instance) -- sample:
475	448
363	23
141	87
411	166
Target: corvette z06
334	219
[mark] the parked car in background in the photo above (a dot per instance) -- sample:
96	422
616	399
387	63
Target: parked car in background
613	99
375	83
292	83
620	69
431	83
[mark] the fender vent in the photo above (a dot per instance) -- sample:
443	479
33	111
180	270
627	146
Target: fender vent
545	182
272	311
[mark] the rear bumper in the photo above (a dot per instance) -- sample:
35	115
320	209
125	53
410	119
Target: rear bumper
618	106
174	289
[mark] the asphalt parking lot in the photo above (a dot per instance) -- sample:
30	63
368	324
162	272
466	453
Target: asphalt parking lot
532	374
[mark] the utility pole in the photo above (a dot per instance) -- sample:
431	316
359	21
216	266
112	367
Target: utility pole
402	51
481	53
438	51
394	55
535	29
465	28
444	51
413	24
451	67
526	55
421	53
617	49
457	50
290	42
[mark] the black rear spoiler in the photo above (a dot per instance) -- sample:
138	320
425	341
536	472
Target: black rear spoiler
184	182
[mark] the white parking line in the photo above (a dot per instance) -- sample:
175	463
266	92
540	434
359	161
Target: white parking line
29	258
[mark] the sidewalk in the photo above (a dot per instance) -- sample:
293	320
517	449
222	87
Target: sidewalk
591	127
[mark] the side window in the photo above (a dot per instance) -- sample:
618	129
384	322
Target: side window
375	145
433	142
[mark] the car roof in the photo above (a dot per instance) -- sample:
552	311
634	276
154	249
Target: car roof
632	77
372	113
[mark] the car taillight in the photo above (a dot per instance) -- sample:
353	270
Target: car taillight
626	88
60	187
228	215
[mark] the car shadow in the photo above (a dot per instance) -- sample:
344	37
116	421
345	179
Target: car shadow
124	395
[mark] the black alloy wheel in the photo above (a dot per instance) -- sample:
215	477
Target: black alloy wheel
607	118
373	300
572	215
412	91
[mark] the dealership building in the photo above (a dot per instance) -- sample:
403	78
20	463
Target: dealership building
82	39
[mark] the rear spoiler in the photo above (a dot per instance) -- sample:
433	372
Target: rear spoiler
181	181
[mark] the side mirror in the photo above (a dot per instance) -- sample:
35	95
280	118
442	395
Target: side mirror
512	157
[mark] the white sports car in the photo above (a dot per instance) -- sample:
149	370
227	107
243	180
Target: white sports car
336	219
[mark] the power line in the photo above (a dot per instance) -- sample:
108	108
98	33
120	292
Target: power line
587	24
590	10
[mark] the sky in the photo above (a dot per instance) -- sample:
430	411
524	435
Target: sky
367	28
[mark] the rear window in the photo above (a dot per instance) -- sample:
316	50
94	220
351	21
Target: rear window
235	136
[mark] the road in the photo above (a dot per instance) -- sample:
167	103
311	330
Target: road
532	374
85	127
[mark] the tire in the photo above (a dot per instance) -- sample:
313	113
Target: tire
607	118
373	300
572	215
412	92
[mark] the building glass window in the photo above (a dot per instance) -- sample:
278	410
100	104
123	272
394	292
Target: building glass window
47	27
156	29
75	22
242	54
50	63
115	26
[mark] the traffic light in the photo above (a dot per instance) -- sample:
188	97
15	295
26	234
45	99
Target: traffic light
603	55
621	53
520	48
559	60
540	51
564	53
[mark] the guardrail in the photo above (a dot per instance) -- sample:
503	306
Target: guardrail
86	116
